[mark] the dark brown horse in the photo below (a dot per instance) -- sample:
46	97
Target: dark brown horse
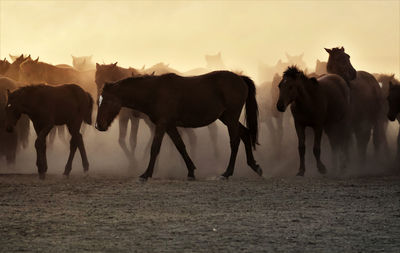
321	104
394	110
48	106
34	71
13	71
4	66
10	143
366	100
112	73
173	101
268	93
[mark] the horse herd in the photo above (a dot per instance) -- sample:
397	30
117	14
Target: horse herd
337	100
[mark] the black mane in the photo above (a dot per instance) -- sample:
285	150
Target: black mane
294	72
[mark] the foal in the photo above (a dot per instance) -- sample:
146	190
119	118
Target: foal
48	106
322	104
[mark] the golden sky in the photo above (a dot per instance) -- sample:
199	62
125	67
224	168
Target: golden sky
180	33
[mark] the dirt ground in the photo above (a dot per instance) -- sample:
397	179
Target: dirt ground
104	213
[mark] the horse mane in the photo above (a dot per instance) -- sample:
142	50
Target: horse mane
128	80
30	88
294	72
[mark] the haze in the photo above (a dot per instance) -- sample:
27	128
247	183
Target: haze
180	33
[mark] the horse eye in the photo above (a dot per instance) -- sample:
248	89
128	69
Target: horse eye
9	105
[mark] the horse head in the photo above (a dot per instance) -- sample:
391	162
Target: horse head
13	110
339	63
109	107
290	86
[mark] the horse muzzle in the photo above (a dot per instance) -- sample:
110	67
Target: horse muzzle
391	117
281	106
100	128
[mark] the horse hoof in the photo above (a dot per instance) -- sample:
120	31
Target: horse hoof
142	179
300	173
223	178
65	175
259	171
42	176
86	174
191	178
322	170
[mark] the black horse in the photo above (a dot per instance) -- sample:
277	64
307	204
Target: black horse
394	110
173	101
48	106
367	102
321	104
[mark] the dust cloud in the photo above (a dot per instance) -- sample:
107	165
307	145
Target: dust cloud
180	33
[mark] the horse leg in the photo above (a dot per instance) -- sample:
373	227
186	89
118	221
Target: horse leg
82	151
301	136
363	134
40	145
72	149
134	132
152	129
233	129
317	149
123	125
213	130
398	149
245	137
379	137
279	133
192	140
155	150
177	140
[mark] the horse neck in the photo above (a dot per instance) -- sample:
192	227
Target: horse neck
306	97
136	96
122	73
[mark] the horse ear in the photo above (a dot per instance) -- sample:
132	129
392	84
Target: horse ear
115	64
37	59
391	85
342	49
328	50
392	76
97	65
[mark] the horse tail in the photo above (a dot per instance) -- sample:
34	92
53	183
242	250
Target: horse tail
88	112
251	111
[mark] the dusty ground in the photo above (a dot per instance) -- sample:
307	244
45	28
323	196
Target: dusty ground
117	213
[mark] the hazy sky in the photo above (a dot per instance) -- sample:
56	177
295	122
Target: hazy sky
182	32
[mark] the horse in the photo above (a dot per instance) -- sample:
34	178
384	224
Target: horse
15	57
4	66
11	142
393	99
34	71
83	63
320	68
172	101
13	70
112	73
321	104
268	94
366	100
48	106
266	72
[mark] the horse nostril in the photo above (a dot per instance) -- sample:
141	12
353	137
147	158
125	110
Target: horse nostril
280	107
